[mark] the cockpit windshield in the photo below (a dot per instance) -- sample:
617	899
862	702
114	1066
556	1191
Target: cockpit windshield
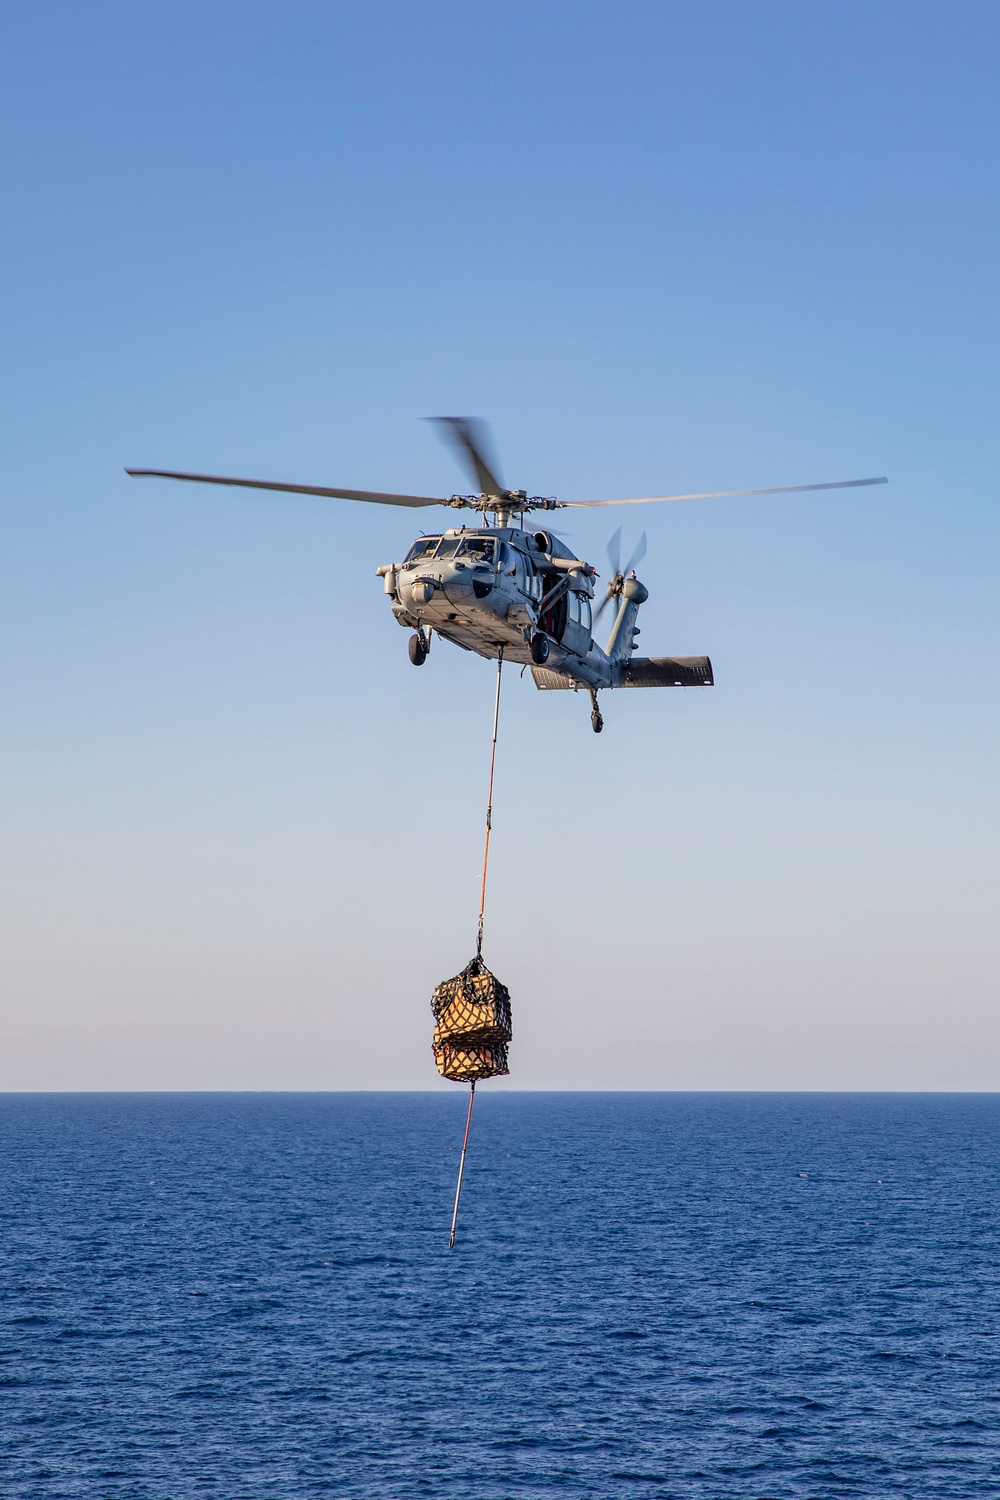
481	549
424	548
447	547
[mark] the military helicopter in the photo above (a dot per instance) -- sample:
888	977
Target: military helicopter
511	594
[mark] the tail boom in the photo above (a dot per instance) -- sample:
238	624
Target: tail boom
638	672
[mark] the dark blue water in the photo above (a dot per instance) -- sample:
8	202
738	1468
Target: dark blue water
652	1295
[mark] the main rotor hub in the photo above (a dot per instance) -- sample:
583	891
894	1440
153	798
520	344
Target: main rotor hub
511	501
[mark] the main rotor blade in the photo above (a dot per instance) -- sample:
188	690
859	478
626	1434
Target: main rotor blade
296	489
784	489
471	437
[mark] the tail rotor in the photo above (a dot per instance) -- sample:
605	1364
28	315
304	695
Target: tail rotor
618	574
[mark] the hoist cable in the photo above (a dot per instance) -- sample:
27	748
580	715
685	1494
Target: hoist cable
489	808
479	936
461	1165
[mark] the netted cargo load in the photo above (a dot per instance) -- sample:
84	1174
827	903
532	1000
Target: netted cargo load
472	1024
466	1064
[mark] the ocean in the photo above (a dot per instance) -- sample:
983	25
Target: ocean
651	1295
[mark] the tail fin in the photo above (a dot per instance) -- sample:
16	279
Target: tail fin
621	642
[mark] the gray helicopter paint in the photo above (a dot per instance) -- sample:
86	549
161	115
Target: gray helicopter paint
483	606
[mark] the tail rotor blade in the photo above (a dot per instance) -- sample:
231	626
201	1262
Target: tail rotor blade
637	555
615	552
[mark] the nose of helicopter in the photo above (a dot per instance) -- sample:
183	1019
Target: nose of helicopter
453	580
465	584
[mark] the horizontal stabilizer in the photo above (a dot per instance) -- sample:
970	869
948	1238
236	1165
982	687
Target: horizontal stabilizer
668	671
546	678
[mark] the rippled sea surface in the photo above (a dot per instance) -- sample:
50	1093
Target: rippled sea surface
651	1295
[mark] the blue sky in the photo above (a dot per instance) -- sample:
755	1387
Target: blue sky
660	247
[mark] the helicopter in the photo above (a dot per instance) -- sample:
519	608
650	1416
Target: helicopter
509	593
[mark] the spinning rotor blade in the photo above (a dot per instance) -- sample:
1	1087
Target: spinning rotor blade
783	489
637	555
296	489
615	552
471	438
617	572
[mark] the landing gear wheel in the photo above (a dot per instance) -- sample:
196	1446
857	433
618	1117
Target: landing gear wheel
418	651
596	721
539	649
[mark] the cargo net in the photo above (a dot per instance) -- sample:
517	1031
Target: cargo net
471	1025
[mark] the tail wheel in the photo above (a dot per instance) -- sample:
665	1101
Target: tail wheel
418	652
539	649
596	721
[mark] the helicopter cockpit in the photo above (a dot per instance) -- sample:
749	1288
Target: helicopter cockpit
477	549
470	549
422	550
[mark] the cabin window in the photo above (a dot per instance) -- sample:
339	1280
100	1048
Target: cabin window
585	613
423	548
574	609
481	549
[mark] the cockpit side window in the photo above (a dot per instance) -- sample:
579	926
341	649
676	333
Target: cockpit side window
480	548
421	549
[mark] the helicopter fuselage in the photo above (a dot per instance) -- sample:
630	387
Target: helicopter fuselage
502	587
